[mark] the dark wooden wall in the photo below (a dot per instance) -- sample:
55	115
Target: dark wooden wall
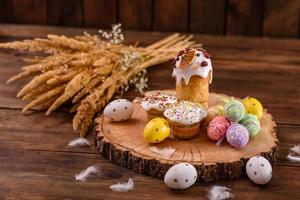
271	18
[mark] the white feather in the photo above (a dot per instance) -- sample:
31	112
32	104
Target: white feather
86	173
79	142
296	149
294	155
217	192
293	158
166	151
123	187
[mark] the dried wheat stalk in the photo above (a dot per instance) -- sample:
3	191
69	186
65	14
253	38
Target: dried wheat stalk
88	70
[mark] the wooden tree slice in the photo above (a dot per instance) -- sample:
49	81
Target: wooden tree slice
123	144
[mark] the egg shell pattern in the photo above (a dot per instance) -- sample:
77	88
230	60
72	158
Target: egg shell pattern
251	123
181	176
234	110
259	170
118	110
158	101
217	128
253	106
237	135
185	112
156	130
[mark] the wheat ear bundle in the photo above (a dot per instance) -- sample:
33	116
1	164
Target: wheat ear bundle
88	70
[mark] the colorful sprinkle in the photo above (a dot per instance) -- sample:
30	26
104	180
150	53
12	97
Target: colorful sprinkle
158	101
185	112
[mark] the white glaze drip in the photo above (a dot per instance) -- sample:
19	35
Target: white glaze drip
194	69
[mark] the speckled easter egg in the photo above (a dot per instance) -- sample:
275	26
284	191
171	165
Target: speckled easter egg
251	123
234	110
237	135
253	106
118	110
217	128
156	130
259	170
181	176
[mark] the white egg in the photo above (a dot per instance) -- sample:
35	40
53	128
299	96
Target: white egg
259	170
118	110
181	176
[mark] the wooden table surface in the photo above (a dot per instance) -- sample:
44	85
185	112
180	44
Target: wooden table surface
35	162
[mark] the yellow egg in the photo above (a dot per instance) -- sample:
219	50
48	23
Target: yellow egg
156	130
253	106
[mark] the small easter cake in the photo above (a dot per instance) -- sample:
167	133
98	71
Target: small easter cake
185	118
187	134
155	103
193	73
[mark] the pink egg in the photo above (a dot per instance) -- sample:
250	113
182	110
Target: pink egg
217	128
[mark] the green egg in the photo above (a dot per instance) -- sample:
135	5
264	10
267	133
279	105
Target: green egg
234	110
251	123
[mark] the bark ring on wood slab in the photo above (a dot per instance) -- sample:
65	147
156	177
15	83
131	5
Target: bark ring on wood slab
124	145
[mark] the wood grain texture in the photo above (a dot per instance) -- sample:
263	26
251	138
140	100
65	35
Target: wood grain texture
45	135
245	17
50	175
100	13
171	15
281	18
65	12
278	18
260	46
289	136
207	16
6	11
49	162
34	159
136	14
124	144
54	132
30	11
233	58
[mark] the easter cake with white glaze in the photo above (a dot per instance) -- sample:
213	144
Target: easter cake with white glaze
193	73
185	118
155	103
189	126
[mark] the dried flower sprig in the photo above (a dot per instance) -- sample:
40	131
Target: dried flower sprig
88	70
